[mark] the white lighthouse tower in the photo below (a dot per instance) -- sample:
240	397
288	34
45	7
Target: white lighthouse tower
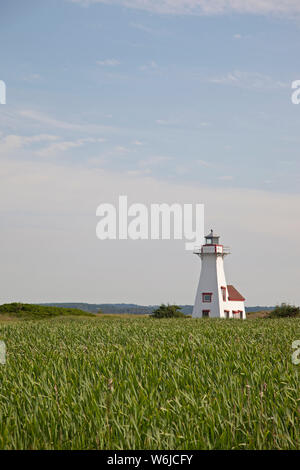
214	297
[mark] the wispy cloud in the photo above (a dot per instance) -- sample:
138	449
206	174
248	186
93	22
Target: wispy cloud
44	119
181	170
225	178
108	62
155	160
248	80
149	30
48	145
63	146
120	149
13	142
151	66
33	77
166	122
139	173
143	28
205	163
149	163
205	7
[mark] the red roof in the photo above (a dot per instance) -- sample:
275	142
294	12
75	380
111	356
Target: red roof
233	294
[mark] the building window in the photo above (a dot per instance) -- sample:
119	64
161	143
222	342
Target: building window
235	313
206	297
226	312
205	313
223	289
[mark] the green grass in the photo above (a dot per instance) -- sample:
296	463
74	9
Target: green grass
33	311
111	383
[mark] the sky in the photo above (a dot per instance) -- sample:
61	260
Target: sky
165	101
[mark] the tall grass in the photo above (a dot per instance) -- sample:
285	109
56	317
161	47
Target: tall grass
110	383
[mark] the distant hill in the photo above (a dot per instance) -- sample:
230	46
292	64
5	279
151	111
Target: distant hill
258	309
33	311
132	308
106	308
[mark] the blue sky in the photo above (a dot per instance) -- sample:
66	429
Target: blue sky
208	98
189	93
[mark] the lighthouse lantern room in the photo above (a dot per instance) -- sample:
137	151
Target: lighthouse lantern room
214	297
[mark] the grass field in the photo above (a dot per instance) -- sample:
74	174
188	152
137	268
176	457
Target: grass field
140	383
19	311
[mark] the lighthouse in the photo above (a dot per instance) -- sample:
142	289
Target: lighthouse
214	298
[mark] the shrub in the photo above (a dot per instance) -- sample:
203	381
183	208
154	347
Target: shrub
285	310
168	311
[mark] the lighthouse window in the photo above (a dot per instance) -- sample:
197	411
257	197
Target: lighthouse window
205	313
224	293
206	297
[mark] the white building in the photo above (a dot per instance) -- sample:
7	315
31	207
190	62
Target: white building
214	297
